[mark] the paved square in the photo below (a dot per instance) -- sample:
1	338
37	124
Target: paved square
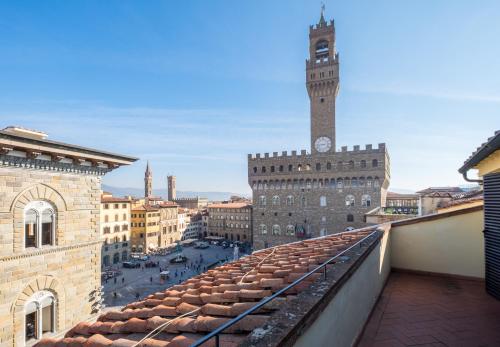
146	281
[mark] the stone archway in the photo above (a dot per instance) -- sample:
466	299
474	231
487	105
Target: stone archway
41	283
37	192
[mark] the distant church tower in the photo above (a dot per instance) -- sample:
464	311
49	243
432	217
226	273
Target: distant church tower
148	182
322	81
172	195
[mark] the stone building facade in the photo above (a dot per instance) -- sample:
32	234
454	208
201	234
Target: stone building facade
169	233
232	220
145	226
50	254
115	229
301	195
192	203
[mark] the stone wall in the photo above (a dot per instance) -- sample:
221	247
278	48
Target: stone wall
70	269
319	176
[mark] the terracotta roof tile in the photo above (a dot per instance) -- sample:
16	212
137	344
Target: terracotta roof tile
211	299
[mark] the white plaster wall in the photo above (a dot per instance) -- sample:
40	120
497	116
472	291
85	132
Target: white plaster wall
343	319
451	245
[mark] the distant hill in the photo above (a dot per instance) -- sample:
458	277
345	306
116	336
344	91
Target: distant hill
137	192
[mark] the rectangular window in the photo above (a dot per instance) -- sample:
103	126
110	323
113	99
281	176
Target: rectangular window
30	235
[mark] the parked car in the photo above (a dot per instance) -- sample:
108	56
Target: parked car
131	265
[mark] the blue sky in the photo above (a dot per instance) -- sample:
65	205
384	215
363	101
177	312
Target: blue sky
194	86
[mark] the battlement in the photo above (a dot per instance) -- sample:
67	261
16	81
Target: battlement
321	28
344	150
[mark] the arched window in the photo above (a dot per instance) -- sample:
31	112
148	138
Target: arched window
318	166
276	230
349	200
308	184
124	227
322	201
303	202
363	164
366	200
354	182
39	224
340	183
124	216
376	182
263	169
262	200
321	51
39	316
106	230
351	164
347	182
290	229
308	167
369	182
116	258
374	163
289	200
106	219
255	169
328	166
116	218
263	229
299	167
272	168
276	200
361	182
290	167
116	228
124	256
124	238
350	218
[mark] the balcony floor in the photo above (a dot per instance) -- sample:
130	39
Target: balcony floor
420	310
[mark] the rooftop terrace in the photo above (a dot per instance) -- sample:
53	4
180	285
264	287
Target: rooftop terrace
321	292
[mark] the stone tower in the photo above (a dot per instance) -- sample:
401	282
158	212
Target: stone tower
148	182
322	81
301	194
171	188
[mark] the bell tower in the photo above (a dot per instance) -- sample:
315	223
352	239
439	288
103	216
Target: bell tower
148	182
322	81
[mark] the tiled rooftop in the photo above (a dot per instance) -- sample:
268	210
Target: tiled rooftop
199	305
419	310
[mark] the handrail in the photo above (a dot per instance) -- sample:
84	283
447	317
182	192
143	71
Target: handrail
215	333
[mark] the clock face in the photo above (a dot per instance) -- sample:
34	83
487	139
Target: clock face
323	144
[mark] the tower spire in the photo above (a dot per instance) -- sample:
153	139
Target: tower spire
322	21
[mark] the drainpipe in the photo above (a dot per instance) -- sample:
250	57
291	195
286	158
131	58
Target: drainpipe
471	180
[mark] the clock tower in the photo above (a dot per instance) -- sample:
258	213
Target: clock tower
322	81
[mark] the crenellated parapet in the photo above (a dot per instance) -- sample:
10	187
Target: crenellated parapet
356	161
303	154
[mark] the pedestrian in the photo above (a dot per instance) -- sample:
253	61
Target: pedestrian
123	279
137	295
114	294
114	280
151	279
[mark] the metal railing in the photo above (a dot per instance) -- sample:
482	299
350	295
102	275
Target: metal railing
215	333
